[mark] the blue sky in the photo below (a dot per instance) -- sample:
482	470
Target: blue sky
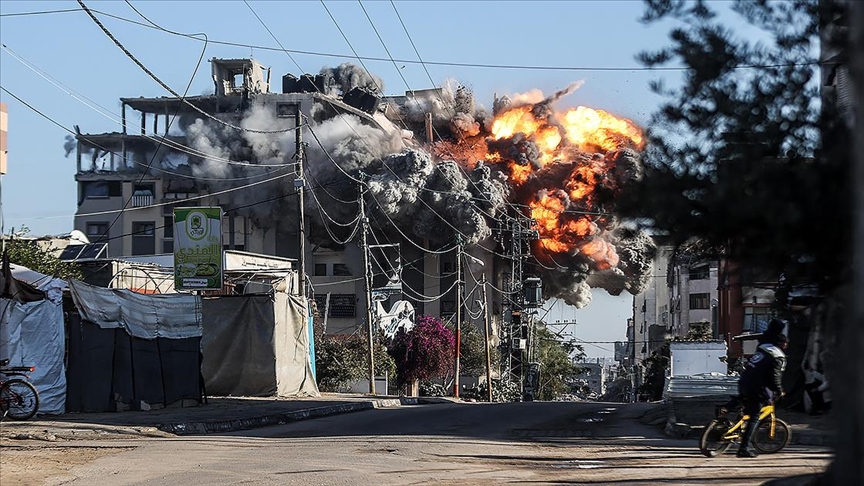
600	38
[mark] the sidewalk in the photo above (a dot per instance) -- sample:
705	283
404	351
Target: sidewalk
220	414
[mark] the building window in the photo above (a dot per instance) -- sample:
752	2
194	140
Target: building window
448	308
97	231
286	110
168	226
448	267
702	272
167	246
320	269
700	301
143	238
341	270
100	190
756	319
340	305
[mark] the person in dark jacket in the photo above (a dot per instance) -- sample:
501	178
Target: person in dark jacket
774	329
760	383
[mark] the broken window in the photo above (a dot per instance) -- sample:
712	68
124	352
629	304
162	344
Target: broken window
99	190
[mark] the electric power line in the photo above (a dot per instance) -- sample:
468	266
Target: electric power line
155	138
476	65
163	84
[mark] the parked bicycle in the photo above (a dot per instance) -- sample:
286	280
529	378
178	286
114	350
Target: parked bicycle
771	436
19	399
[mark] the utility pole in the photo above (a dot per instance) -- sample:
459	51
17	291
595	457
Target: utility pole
487	331
459	249
300	185
367	281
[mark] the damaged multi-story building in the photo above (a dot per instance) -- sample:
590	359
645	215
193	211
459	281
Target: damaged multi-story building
130	181
444	187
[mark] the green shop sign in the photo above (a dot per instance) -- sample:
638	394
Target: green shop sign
198	248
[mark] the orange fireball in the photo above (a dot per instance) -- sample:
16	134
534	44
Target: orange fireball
565	153
588	128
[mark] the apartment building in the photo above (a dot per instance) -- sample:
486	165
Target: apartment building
683	292
130	181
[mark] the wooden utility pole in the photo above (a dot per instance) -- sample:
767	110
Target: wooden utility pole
367	281
300	185
458	318
487	331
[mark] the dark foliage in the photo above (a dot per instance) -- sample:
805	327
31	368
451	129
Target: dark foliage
342	358
423	353
747	154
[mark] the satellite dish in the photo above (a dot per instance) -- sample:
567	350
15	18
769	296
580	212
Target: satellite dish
77	235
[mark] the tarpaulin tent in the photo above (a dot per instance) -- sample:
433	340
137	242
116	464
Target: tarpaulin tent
32	331
133	351
256	345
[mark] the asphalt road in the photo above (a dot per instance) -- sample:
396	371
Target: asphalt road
532	443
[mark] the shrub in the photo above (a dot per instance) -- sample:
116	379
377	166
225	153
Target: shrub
501	392
424	352
431	389
341	359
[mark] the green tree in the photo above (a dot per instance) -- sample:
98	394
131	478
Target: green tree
344	358
556	357
751	156
745	155
39	256
472	347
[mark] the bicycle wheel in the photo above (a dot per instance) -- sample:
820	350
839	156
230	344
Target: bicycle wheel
712	442
765	443
19	399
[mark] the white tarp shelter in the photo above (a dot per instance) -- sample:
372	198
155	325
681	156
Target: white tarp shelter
33	334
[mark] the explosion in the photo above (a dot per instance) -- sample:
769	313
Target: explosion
562	166
560	170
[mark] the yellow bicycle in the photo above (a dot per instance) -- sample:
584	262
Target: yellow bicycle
771	435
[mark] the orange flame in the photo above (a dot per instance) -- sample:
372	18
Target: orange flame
559	231
562	138
587	128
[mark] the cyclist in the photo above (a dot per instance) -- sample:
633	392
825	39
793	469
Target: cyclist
760	382
769	336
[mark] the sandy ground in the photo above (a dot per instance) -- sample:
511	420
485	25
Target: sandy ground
32	463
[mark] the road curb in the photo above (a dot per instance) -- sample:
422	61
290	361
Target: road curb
222	426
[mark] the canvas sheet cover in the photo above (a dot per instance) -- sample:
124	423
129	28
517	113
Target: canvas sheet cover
146	316
256	345
109	370
32	334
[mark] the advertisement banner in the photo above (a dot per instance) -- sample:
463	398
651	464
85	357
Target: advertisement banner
198	248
